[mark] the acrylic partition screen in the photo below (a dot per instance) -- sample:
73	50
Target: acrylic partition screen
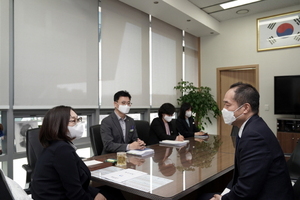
56	53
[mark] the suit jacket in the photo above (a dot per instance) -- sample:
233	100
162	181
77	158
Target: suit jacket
260	168
60	174
112	134
158	131
184	129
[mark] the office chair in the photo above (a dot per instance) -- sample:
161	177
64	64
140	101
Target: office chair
96	140
294	163
142	128
296	188
33	150
10	190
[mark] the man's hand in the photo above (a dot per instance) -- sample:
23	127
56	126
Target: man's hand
216	197
138	144
99	196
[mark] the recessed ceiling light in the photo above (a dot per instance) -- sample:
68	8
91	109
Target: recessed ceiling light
236	3
242	11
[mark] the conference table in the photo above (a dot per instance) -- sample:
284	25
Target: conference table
171	172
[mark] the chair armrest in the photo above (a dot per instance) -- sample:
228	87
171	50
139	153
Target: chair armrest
27	168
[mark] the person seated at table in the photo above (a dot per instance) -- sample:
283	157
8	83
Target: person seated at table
161	127
59	172
118	130
185	123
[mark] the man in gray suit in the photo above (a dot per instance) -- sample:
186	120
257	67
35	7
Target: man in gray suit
118	130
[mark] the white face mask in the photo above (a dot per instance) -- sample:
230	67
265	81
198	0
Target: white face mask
168	118
124	109
76	131
188	113
228	116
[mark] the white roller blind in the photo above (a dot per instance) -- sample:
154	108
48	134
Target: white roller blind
125	53
166	62
4	54
191	58
56	53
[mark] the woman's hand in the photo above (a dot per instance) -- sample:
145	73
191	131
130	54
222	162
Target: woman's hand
99	196
200	133
179	138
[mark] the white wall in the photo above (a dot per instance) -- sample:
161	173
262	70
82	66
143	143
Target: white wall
235	46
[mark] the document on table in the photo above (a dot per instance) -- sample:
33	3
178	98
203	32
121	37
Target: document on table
144	183
141	181
174	142
123	175
92	162
144	152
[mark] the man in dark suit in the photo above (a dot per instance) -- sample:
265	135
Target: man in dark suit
118	130
260	168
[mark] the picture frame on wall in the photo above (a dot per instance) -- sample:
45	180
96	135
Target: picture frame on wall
278	31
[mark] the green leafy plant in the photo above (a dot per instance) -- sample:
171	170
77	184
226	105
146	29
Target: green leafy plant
201	100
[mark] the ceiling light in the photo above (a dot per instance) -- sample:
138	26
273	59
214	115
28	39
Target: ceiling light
242	11
236	3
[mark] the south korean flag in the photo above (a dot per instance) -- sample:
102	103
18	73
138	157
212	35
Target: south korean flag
279	32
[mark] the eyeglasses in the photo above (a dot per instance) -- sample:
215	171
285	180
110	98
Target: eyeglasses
125	103
75	121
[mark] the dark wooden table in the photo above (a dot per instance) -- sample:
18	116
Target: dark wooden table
190	167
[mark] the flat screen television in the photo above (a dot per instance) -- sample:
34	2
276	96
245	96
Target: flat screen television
287	95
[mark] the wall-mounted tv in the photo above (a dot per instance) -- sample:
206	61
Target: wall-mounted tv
287	95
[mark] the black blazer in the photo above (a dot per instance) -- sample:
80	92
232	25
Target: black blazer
158	131
184	129
260	168
60	174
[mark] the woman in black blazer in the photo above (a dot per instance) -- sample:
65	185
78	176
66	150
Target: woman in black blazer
59	172
161	127
185	122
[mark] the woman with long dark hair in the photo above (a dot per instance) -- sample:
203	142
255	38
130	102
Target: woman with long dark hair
59	172
185	123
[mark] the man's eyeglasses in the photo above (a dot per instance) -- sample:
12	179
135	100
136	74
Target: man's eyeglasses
125	103
75	121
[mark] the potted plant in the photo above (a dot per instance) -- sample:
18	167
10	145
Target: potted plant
201	100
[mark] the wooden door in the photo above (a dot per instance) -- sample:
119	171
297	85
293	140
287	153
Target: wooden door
225	78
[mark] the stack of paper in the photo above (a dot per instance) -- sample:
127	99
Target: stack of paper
131	178
174	142
142	153
202	136
91	162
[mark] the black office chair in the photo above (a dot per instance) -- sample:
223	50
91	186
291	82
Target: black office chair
33	150
296	188
142	128
294	163
96	140
4	189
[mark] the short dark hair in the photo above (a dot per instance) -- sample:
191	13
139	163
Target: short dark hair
122	93
183	108
55	125
166	108
246	93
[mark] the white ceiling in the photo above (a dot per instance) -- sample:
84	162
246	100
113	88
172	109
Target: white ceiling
190	15
257	7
